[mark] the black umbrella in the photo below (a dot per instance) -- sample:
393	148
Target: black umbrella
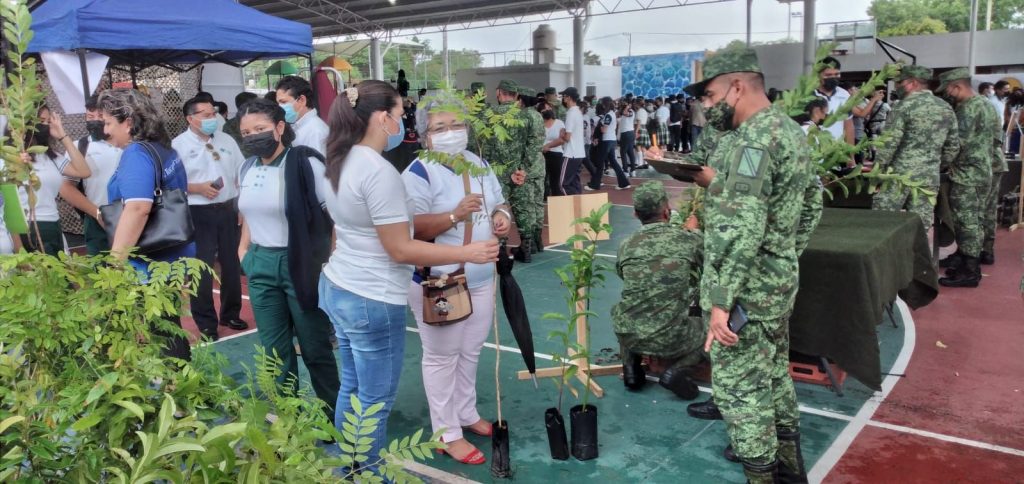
515	311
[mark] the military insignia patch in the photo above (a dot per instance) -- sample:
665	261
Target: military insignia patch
750	162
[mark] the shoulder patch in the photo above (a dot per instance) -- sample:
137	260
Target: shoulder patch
419	170
750	162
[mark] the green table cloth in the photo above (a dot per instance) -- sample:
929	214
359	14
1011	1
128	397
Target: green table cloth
856	262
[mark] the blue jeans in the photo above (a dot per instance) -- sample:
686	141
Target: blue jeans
371	343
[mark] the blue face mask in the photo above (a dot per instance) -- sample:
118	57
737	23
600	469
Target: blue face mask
290	116
395	139
209	126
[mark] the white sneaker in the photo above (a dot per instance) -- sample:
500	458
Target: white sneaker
627	187
587	188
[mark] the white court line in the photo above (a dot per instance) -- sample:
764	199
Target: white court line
217	291
233	336
562	251
947	438
845	438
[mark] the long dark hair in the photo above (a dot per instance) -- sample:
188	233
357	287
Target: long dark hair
348	123
273	112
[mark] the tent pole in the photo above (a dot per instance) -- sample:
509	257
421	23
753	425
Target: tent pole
85	74
135	83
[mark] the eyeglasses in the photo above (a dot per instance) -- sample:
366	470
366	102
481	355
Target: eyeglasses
216	156
442	129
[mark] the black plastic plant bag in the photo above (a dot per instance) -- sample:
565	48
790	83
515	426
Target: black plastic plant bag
584	432
501	466
555	426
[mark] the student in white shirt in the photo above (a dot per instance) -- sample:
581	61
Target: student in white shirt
608	128
574	150
51	168
102	158
364	287
662	114
627	137
836	97
212	160
285	239
295	96
554	138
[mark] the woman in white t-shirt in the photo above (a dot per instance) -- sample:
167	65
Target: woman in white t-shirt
51	168
442	206
607	129
627	137
554	138
364	287
285	239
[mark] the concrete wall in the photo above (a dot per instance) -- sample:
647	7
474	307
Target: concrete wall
606	79
995	51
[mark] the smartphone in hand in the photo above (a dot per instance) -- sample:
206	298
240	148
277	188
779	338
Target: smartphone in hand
218	183
737	318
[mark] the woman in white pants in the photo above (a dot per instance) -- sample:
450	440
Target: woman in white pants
442	208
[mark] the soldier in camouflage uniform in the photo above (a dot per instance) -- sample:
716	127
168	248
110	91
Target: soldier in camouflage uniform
922	133
523	165
551	96
660	269
970	173
760	208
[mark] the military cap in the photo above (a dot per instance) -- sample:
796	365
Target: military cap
649	197
725	61
952	75
550	90
914	72
508	85
525	91
476	86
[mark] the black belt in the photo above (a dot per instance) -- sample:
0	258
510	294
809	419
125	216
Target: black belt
230	204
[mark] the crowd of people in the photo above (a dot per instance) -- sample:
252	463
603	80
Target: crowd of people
337	225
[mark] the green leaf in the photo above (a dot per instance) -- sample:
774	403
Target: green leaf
7	422
132	407
88	421
177	447
230	431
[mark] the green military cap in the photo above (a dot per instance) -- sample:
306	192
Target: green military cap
525	91
725	61
508	85
952	75
550	90
649	197
476	86
914	72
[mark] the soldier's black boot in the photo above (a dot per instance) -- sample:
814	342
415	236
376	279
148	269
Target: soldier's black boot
987	258
538	241
761	473
523	252
730	455
968	275
704	410
791	458
677	381
633	375
952	261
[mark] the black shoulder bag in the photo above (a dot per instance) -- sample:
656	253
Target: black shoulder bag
169	223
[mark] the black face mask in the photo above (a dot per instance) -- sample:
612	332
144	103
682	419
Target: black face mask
262	144
42	134
830	84
95	129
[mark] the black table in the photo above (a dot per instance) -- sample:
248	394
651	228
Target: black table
855	264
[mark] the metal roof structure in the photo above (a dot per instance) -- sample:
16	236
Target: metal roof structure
378	18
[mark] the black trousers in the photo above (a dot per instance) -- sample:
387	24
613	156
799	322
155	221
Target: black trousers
553	167
605	156
569	177
674	139
216	238
627	150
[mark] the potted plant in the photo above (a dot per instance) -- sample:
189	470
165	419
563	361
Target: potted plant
583	273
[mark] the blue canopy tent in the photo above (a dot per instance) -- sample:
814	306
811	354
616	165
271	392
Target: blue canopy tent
176	34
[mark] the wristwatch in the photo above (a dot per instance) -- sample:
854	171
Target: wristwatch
451	216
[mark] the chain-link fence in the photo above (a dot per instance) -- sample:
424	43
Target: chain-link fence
167	88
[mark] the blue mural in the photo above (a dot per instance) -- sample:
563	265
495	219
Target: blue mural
658	74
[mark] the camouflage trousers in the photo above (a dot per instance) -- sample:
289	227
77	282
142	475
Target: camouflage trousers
753	389
897	199
990	218
526	200
968	205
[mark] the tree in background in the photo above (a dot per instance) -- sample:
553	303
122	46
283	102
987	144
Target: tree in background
910	17
591	59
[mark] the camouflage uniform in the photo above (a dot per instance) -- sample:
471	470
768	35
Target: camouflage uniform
521	152
559	109
971	171
660	269
763	200
922	133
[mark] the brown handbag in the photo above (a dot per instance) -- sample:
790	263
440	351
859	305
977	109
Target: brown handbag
446	298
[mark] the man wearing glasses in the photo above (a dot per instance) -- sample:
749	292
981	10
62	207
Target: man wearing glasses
212	165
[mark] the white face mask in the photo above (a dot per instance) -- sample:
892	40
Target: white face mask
453	141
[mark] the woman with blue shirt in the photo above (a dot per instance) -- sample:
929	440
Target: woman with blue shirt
365	284
285	240
131	123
